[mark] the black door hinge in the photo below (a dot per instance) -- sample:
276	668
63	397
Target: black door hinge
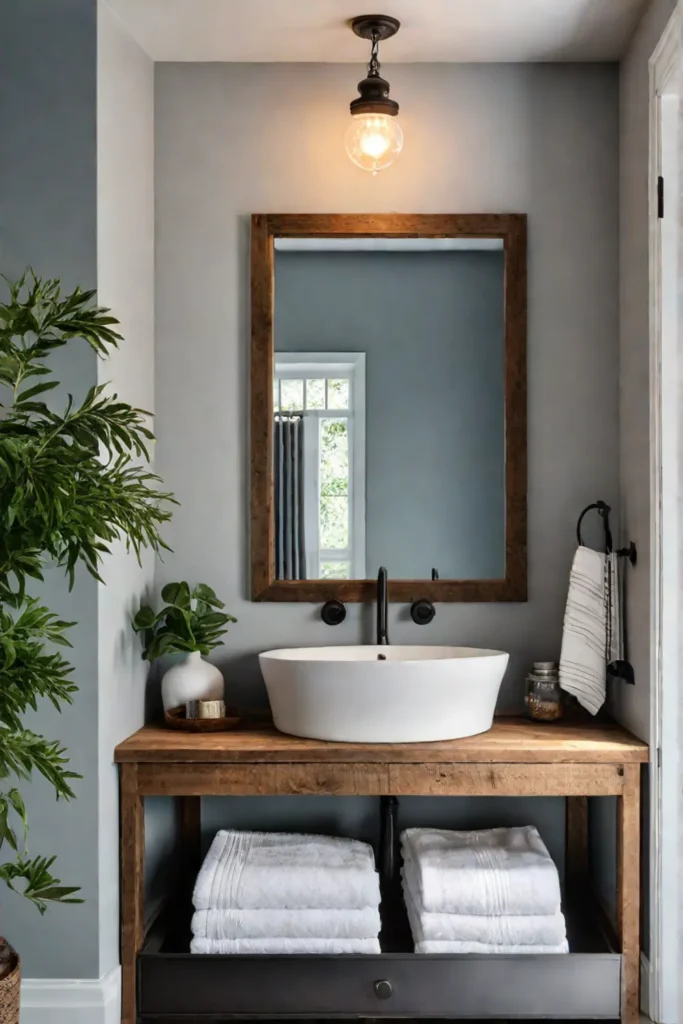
660	197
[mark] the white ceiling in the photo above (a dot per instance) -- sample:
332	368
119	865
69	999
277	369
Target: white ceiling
432	30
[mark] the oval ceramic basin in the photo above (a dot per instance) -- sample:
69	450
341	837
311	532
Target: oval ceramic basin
351	695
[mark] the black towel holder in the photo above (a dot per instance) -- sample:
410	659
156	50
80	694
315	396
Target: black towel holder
603	509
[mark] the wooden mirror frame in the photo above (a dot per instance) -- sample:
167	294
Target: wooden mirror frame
265	228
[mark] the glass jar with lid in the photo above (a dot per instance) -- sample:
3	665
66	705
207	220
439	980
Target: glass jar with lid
543	694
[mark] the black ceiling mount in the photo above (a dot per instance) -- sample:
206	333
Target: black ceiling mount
373	91
375	26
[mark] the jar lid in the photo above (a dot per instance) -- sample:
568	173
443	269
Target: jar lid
544	666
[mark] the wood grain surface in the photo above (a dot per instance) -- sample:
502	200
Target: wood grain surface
628	893
132	887
360	779
510	741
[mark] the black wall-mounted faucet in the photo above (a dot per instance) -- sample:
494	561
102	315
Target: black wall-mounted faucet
382	601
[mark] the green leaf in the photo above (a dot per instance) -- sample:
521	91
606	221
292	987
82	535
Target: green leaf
6	833
204	593
15	798
144	619
159	646
177	594
37	389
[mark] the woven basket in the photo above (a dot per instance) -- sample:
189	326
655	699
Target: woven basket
9	993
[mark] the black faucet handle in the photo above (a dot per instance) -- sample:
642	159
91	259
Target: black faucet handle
333	613
422	612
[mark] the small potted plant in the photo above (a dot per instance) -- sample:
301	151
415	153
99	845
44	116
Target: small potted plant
191	623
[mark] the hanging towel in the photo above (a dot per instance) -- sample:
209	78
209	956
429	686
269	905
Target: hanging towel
290	924
591	625
498	930
276	946
262	870
497	871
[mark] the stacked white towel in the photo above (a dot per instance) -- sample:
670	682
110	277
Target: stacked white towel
492	891
271	892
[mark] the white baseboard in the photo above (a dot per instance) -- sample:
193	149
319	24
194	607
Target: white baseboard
72	1000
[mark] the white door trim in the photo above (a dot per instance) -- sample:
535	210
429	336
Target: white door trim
666	578
72	1000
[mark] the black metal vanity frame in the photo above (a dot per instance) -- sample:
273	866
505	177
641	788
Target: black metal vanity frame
599	978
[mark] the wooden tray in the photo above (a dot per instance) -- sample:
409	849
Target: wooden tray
175	719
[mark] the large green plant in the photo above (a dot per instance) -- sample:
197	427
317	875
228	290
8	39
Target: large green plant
71	482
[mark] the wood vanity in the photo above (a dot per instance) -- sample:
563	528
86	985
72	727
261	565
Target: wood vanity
599	978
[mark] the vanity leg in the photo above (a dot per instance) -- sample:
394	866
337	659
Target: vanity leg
132	887
576	849
190	808
628	892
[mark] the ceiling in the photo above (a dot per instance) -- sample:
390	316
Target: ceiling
432	30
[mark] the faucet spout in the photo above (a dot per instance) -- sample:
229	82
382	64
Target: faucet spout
382	628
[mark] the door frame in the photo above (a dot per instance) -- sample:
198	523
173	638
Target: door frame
660	979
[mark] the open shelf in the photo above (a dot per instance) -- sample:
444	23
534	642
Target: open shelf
175	985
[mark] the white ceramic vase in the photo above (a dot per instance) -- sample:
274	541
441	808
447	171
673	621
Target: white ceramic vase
191	679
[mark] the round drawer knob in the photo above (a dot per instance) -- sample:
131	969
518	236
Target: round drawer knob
383	989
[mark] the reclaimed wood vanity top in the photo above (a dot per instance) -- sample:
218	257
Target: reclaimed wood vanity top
510	741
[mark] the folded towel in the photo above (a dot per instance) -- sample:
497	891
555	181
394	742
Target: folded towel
279	946
486	947
497	871
589	621
290	924
503	930
261	870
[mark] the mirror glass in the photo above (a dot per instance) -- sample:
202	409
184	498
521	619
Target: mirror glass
389	399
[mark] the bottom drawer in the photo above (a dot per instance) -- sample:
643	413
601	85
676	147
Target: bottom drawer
177	986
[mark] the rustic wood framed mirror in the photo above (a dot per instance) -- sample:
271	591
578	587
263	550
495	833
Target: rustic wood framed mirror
388	406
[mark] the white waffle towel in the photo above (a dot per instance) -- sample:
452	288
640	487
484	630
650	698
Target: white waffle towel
281	871
499	930
288	924
499	871
276	947
486	948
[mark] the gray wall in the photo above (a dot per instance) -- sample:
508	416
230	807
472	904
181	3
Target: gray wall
432	327
237	139
48	220
234	139
125	283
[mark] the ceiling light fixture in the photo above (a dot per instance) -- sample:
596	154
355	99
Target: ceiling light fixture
374	138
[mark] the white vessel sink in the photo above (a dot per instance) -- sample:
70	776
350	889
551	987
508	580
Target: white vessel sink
349	695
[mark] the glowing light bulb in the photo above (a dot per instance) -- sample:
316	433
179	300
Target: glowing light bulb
373	141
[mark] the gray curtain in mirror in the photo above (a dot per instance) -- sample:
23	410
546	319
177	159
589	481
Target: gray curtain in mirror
288	454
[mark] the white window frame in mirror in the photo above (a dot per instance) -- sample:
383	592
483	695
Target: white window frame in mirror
345	366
